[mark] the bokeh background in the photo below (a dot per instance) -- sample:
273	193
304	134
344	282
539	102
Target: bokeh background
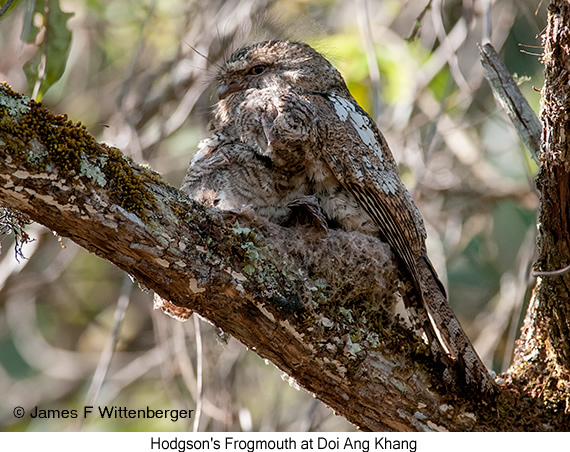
139	75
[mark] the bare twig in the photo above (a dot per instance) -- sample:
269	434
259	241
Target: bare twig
559	272
511	99
6	7
418	23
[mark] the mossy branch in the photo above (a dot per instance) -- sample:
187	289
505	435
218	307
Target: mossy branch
329	327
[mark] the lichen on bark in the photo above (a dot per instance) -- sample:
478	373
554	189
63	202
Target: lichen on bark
542	360
35	137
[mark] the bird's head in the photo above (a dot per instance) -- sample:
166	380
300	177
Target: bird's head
279	64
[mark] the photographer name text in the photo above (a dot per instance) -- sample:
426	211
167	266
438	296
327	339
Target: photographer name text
111	412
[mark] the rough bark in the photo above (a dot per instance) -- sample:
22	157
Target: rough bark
542	360
259	282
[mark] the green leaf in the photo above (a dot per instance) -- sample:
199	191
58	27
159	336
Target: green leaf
29	34
58	42
54	47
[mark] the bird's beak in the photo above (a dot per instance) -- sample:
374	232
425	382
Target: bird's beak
225	90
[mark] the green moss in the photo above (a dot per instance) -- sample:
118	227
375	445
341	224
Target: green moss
125	184
38	140
179	210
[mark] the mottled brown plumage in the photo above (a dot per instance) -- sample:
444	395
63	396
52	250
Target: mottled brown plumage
286	126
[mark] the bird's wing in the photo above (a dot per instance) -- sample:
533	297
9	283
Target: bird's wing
362	162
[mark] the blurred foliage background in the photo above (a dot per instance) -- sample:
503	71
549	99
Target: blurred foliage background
138	74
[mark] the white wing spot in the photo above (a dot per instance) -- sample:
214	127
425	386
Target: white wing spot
346	110
340	109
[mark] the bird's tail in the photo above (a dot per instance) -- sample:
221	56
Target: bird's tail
465	360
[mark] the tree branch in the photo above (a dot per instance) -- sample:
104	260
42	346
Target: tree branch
511	99
542	358
315	304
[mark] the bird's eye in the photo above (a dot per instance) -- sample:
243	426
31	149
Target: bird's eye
258	69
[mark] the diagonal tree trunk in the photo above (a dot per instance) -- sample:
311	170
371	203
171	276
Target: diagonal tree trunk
272	288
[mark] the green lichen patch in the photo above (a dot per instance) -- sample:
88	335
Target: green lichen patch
94	172
15	104
40	141
350	311
258	262
353	303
